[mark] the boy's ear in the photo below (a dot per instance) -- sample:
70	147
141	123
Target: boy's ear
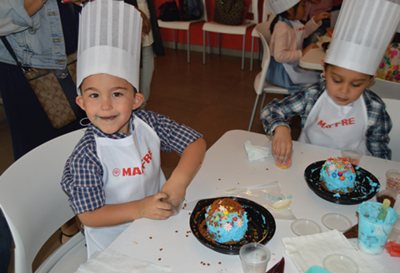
79	101
138	100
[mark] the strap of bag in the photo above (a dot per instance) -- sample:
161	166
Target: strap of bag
63	77
12	52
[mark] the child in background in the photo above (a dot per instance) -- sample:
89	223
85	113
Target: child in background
341	112
286	44
314	7
113	176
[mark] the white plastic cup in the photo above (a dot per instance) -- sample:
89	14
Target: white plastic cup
254	258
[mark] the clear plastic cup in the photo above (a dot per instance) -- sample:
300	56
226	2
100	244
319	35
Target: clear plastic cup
393	180
372	231
254	258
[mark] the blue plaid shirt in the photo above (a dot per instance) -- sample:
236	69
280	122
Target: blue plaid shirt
300	104
82	179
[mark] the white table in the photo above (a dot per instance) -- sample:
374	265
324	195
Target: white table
226	165
313	59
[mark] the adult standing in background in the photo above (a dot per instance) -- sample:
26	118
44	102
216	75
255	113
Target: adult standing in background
151	43
42	34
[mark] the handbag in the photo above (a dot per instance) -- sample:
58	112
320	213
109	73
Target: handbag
54	89
169	12
229	12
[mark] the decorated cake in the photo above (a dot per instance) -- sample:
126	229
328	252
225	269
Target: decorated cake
226	221
338	175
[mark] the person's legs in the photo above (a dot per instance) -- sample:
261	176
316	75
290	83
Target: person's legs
5	245
146	72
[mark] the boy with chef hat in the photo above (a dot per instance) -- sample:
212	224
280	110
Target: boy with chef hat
113	176
340	112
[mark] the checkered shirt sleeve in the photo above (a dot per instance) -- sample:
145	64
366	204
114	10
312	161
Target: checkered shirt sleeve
83	173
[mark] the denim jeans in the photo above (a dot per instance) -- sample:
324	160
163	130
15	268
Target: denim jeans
5	244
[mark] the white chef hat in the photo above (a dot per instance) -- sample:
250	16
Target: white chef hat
109	41
362	33
279	6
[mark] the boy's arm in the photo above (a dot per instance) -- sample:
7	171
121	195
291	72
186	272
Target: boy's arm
378	134
188	165
152	207
279	112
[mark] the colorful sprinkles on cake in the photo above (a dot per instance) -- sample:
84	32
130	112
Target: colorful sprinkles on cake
338	175
226	220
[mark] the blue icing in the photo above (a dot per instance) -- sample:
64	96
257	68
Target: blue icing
338	175
336	195
226	227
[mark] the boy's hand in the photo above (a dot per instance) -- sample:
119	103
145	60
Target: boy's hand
176	195
282	144
155	207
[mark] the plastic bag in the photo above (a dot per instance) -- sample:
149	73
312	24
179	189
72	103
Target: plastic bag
268	195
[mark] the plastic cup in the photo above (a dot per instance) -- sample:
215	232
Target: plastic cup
353	156
284	165
373	232
393	180
254	258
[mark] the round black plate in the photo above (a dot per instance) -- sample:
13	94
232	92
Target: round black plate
366	186
261	225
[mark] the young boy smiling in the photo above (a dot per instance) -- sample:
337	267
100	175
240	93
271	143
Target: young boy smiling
113	176
340	112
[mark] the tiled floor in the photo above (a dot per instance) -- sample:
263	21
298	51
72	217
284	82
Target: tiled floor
211	98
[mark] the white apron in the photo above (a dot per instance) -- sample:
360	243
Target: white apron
337	127
296	73
131	171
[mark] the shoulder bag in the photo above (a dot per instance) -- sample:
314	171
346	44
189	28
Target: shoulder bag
54	89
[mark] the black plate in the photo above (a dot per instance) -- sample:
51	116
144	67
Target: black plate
261	225
366	185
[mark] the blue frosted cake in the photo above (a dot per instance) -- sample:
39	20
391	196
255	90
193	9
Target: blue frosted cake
226	221
338	175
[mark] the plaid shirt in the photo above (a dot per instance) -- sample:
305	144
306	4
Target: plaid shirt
300	104
82	179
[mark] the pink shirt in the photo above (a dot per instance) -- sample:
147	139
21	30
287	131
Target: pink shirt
284	44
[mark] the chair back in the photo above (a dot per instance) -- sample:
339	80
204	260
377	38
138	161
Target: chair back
386	89
392	107
263	32
32	200
253	9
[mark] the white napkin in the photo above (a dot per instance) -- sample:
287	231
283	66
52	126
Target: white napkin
110	261
310	250
255	152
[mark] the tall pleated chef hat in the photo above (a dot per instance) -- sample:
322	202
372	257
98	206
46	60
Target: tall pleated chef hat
279	6
109	42
362	33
